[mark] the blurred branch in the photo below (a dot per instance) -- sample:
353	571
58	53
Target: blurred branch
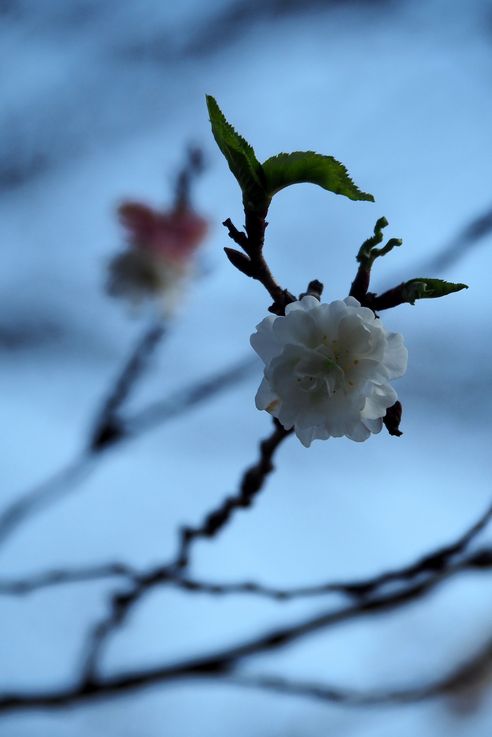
459	679
222	663
61	577
431	563
214	521
477	229
108	431
108	427
191	396
252	483
192	168
46	493
63	482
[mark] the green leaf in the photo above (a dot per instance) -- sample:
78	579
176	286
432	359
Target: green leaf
307	166
423	288
240	156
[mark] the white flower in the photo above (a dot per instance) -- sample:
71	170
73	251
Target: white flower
327	369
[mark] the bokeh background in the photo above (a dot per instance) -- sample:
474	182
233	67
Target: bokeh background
98	102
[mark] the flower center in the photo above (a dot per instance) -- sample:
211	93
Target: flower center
319	373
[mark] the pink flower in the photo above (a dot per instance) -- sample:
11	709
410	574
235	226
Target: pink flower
158	258
173	235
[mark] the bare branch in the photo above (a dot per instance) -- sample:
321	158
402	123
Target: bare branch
45	494
429	564
257	268
192	168
65	481
251	483
108	427
222	663
191	396
59	577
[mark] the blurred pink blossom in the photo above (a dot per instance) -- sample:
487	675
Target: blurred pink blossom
158	258
173	235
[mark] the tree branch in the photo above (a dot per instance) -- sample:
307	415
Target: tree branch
252	482
255	265
429	564
108	427
222	663
76	472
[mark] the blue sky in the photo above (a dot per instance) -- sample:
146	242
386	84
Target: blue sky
99	103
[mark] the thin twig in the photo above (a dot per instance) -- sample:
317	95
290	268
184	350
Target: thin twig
428	564
108	431
251	484
51	490
65	481
193	167
61	577
254	264
191	396
108	427
222	663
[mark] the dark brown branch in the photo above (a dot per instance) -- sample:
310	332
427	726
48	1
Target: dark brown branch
191	396
387	300
46	493
221	663
59	577
427	565
108	427
460	678
314	289
192	168
257	268
108	431
66	480
360	285
252	482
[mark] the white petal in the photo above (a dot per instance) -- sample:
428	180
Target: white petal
327	369
351	302
374	426
395	355
307	435
265	396
298	327
306	303
380	398
359	433
355	335
263	341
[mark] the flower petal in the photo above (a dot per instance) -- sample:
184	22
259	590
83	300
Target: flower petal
327	369
265	396
263	341
395	355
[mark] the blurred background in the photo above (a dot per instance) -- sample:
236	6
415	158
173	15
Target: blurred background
99	101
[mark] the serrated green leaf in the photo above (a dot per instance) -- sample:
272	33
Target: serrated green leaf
307	166
239	155
423	288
